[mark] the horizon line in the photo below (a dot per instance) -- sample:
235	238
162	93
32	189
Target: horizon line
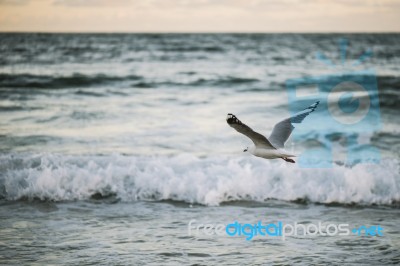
201	32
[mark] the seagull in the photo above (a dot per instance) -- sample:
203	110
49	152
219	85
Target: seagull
272	147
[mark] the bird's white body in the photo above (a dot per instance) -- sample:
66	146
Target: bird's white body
269	153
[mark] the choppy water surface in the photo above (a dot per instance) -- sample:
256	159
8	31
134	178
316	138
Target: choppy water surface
111	143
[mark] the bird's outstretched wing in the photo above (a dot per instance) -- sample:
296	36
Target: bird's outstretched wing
258	139
283	129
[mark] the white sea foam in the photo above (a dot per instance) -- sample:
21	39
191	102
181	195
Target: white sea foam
208	181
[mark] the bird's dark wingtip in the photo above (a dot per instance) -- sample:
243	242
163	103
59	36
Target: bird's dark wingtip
232	119
229	117
313	106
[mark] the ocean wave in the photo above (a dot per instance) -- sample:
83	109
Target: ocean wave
183	48
208	181
224	81
10	108
78	80
54	82
228	81
389	92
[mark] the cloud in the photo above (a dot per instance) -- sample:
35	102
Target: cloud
91	3
257	6
14	2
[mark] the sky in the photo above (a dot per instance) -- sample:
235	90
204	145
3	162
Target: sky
200	15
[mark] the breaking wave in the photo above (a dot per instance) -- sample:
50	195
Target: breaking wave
207	181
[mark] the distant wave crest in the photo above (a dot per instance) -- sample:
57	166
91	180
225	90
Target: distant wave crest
57	82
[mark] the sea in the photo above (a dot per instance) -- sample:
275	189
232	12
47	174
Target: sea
114	150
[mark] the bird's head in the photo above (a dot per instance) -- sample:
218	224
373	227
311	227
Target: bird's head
246	149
